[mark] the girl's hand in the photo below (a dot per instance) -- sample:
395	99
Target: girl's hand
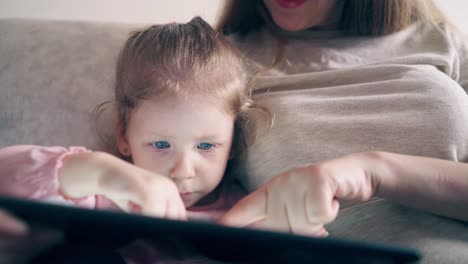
304	199
132	188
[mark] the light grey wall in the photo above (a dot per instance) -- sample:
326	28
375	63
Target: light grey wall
456	11
127	11
154	11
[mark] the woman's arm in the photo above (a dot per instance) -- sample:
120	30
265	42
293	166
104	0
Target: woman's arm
434	185
304	199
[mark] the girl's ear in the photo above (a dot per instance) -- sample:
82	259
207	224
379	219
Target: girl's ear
121	139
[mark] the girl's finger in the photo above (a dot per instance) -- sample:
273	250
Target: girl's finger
176	211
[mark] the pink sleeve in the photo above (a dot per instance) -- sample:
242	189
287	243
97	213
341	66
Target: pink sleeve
30	171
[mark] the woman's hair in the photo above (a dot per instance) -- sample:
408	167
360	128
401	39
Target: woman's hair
182	60
358	17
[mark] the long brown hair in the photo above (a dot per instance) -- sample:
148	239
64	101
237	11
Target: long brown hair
359	17
181	60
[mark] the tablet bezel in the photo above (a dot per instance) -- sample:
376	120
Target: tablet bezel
106	227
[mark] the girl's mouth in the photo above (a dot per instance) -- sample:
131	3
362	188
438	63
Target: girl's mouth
185	194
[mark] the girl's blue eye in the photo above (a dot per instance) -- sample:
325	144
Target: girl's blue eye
205	146
161	144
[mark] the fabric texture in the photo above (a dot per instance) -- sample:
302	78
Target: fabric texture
334	95
53	74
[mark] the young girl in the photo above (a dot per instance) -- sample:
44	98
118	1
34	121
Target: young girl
182	108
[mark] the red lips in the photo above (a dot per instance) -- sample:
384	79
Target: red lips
290	3
185	194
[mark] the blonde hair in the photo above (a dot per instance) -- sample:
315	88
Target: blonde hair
358	17
182	60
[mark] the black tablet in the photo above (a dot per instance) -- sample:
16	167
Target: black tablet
233	245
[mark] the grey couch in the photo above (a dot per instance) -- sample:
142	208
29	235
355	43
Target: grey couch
52	74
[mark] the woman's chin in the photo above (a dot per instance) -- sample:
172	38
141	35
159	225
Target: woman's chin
290	26
289	23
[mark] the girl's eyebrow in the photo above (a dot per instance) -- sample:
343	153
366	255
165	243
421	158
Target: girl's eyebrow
214	137
159	135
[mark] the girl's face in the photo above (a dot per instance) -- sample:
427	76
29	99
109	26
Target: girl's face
186	140
296	15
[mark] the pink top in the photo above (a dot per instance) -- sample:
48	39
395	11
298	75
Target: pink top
29	171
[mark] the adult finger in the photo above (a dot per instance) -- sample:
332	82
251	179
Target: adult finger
296	212
19	249
285	211
277	214
11	225
251	209
321	207
322	232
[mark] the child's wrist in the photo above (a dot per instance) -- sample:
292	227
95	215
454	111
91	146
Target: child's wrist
80	173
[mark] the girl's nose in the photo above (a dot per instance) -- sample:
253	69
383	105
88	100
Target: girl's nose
182	169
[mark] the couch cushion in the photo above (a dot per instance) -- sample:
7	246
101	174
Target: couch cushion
52	75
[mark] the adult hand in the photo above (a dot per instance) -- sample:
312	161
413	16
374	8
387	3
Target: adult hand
130	187
304	199
10	225
18	242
